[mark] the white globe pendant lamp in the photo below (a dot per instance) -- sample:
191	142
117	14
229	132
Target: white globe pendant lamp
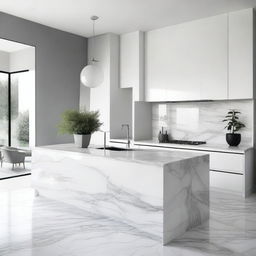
92	75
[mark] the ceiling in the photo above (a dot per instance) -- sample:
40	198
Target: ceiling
10	46
117	16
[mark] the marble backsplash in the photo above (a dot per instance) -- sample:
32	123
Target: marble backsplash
201	120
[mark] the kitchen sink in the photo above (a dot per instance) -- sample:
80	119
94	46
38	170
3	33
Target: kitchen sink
116	149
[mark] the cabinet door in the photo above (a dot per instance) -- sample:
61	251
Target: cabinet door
156	68
241	54
227	181
132	63
227	162
129	60
187	61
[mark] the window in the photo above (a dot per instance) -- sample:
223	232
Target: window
3	109
15	97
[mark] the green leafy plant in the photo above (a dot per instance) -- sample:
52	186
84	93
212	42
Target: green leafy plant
75	122
232	120
23	127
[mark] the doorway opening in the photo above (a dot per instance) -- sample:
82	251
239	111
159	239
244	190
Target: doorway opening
17	94
17	108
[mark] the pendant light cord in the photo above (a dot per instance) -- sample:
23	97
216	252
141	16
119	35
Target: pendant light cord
93	40
93	18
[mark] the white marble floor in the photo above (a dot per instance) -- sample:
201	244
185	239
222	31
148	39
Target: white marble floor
36	226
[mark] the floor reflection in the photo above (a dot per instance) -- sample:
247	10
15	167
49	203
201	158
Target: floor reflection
36	226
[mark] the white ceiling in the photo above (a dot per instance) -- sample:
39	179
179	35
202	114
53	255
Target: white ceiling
117	16
10	46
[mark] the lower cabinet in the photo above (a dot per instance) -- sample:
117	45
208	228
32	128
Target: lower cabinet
227	181
230	172
227	162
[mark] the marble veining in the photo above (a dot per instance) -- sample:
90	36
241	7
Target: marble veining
161	200
201	120
37	226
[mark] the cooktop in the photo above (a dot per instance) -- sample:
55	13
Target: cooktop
187	142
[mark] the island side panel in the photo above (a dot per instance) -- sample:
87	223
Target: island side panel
126	192
186	196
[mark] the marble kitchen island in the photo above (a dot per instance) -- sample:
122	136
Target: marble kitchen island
157	194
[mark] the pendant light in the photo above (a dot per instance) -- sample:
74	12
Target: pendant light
92	75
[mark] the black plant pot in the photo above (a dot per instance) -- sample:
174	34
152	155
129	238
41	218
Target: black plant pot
233	139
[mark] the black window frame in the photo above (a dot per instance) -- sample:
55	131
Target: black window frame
9	101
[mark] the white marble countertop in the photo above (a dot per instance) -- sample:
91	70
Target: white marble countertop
148	156
241	149
150	191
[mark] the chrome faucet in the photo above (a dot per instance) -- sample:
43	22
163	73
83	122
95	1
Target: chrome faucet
105	138
128	134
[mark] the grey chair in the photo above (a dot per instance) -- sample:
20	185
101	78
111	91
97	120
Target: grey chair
13	156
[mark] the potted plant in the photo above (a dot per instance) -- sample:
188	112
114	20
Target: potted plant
81	125
233	126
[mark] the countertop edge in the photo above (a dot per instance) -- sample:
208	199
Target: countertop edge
196	148
50	147
201	148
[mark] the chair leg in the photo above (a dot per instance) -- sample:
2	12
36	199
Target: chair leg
12	166
24	165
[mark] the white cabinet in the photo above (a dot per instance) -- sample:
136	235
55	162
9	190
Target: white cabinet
187	61
227	182
129	60
227	162
211	58
132	63
230	172
241	54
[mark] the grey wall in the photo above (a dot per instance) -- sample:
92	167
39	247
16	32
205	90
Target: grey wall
60	57
142	120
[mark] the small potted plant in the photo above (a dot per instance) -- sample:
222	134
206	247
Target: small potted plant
81	125
233	126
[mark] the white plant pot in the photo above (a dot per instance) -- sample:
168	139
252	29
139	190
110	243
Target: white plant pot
82	140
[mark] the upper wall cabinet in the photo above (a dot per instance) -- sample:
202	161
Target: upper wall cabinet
241	54
132	63
187	61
